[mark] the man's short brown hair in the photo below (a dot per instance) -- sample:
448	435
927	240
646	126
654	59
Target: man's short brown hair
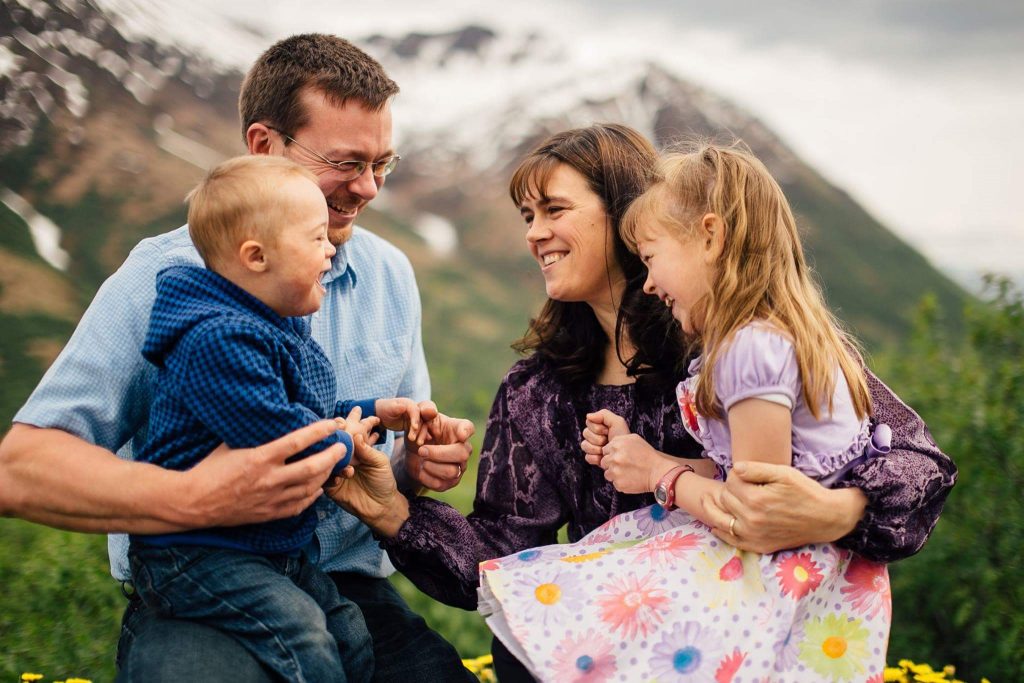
332	65
239	199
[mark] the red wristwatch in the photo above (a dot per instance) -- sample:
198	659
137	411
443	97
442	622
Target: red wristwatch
665	491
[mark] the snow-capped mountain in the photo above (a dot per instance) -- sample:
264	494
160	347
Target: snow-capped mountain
109	109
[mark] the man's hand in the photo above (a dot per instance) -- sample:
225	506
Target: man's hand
252	485
400	415
369	491
632	465
439	460
776	508
602	427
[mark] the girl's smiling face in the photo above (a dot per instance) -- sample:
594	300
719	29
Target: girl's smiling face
568	234
678	269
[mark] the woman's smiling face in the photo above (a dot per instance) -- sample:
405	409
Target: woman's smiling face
568	234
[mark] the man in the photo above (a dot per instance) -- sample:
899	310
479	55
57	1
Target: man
325	104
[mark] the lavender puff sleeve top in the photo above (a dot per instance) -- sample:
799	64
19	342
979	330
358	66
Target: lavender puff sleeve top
533	480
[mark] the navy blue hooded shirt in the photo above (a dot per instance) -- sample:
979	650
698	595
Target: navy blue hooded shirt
231	370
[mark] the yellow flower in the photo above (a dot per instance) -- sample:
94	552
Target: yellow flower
585	558
835	647
895	675
31	677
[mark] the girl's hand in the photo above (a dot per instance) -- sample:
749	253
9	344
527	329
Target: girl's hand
632	465
602	427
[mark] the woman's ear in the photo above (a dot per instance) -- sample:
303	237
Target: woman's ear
253	256
712	233
259	139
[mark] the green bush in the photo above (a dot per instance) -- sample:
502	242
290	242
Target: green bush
962	599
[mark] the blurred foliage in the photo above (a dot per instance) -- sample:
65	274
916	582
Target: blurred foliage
961	600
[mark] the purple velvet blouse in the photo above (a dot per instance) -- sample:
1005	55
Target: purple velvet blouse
533	479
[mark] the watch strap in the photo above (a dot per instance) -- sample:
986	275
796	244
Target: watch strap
668	484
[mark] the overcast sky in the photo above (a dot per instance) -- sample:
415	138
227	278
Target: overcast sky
915	107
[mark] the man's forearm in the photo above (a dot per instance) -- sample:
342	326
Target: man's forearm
51	477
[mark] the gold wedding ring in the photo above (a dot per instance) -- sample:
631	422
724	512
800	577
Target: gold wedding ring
732	526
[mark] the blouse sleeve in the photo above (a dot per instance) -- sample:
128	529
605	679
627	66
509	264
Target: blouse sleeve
906	488
757	362
516	507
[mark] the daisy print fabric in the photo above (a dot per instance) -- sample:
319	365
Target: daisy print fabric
653	596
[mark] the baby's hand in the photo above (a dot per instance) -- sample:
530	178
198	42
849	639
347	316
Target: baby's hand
401	415
602	427
359	427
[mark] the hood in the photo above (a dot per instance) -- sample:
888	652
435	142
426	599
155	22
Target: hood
187	296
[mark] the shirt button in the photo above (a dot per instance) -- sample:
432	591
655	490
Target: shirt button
321	514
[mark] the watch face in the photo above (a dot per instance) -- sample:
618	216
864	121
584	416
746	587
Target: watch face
661	494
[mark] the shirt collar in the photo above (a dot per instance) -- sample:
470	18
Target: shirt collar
340	266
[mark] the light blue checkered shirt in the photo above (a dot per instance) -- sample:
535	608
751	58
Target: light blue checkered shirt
100	388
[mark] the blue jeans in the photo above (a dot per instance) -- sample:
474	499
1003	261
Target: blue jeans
154	649
281	608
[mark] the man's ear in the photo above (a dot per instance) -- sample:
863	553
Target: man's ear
260	139
253	256
712	234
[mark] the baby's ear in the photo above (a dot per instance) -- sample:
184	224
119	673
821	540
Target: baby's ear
253	256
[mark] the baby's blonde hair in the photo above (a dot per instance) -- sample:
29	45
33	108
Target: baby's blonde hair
761	273
239	199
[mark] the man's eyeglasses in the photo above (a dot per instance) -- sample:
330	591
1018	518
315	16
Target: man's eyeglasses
349	170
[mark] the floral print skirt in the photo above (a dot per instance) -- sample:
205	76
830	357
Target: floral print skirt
655	596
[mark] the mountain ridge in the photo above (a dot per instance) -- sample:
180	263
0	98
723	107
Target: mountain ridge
105	133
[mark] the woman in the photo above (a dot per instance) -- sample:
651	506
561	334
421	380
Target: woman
572	191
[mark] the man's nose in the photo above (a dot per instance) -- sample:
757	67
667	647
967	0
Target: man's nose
365	186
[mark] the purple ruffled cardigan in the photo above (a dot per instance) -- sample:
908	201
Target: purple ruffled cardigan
533	480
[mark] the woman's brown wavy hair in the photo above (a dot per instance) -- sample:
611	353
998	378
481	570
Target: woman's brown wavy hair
617	163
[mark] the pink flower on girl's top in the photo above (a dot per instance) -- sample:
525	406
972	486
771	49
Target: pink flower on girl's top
868	591
798	574
688	407
585	659
633	605
729	666
666	548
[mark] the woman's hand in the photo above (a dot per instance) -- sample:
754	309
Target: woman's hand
776	507
632	465
438	458
368	490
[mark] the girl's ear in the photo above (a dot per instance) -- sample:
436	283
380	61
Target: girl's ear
712	235
253	256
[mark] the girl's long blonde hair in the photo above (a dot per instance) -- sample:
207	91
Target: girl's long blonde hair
761	273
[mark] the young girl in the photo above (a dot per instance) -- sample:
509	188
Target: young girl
653	594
